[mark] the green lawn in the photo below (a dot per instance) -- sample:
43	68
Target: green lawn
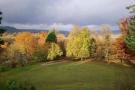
74	76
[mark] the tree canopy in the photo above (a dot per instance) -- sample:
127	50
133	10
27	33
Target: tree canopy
51	37
131	8
78	44
130	39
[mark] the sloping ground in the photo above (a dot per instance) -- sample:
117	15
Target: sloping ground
75	76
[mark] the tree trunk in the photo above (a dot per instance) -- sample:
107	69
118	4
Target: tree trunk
121	61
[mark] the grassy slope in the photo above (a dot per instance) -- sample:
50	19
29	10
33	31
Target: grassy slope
75	76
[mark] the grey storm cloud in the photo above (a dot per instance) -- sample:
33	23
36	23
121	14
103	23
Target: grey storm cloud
81	12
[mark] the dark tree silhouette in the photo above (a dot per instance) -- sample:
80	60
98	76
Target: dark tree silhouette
51	37
1	30
0	17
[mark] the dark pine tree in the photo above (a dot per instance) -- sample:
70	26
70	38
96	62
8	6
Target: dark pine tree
51	37
0	17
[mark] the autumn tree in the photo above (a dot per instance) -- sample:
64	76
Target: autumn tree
85	43
15	57
40	54
26	43
78	44
119	46
41	38
125	44
54	51
41	51
123	25
71	48
61	41
120	49
93	48
106	37
21	50
12	57
130	37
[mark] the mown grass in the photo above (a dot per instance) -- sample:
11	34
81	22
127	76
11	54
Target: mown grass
74	76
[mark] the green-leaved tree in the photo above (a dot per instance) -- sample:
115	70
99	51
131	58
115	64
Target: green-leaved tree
130	38
51	37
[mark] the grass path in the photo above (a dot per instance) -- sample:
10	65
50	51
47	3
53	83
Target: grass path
81	75
64	61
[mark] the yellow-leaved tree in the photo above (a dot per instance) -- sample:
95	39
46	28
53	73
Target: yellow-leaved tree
78	44
54	51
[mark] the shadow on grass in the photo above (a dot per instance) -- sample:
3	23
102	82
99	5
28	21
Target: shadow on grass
125	82
14	85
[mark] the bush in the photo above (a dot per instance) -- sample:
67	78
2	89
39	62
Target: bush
63	48
40	54
12	57
2	31
1	41
4	68
14	85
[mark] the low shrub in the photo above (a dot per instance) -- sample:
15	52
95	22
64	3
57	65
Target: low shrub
4	68
40	55
14	85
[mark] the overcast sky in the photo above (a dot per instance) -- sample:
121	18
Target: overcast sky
62	13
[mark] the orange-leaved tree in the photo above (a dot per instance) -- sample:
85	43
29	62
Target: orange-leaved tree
123	25
41	38
120	49
26	43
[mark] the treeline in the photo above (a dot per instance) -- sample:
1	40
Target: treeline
81	43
